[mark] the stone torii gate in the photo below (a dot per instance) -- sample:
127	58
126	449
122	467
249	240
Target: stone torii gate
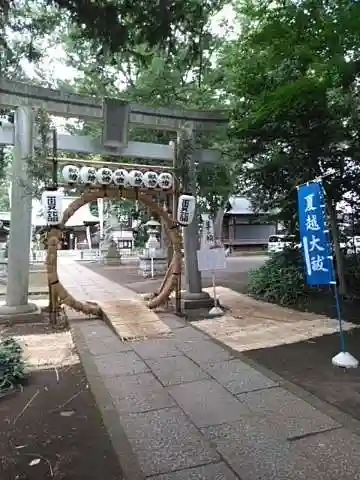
115	115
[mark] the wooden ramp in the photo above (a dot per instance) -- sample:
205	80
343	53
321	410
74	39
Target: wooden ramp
132	320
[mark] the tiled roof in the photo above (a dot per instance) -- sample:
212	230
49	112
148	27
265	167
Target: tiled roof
239	206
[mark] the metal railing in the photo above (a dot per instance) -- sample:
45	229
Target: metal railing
93	255
38	257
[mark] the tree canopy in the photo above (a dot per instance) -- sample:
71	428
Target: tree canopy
293	78
289	77
114	26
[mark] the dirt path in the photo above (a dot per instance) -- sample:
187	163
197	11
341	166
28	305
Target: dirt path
53	429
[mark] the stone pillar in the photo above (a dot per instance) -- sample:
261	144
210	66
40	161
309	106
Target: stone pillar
193	297
20	220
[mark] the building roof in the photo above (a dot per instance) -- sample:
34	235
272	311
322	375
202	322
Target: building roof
80	217
239	206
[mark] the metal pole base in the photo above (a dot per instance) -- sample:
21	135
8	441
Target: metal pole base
345	360
216	312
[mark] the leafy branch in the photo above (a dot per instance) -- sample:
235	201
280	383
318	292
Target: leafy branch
12	366
38	164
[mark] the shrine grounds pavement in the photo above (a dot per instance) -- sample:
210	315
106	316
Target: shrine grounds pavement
186	407
183	407
306	363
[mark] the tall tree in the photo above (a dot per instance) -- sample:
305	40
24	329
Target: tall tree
294	73
168	60
181	78
114	26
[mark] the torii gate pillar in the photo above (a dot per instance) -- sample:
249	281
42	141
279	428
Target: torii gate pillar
20	221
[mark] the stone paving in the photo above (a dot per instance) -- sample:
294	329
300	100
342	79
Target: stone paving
185	409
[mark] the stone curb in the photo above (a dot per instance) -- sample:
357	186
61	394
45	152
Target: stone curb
127	459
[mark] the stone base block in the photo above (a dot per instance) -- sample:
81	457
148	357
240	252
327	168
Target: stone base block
20	314
112	261
192	301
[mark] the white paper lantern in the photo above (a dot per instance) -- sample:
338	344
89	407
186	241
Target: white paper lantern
186	210
70	174
165	181
120	177
150	179
135	179
52	206
104	176
88	175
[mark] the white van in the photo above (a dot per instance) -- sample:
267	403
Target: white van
277	243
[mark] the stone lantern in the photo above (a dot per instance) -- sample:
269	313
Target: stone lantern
153	261
153	228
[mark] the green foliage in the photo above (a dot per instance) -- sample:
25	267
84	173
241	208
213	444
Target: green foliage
122	210
182	77
114	26
280	280
12	366
5	161
94	209
39	166
140	237
215	185
352	273
293	77
120	25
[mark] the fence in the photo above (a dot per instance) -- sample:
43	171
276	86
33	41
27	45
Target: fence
38	257
93	255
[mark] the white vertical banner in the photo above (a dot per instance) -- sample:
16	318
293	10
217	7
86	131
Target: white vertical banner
207	234
88	237
9	193
100	203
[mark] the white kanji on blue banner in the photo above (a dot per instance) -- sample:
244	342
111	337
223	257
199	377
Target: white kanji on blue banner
315	242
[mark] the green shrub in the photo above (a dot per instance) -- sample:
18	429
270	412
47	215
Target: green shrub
352	273
12	367
280	280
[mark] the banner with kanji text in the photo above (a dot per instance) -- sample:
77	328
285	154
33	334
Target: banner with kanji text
314	235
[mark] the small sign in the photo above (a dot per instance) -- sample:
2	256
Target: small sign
211	259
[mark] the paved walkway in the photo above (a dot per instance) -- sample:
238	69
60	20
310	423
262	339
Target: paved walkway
123	308
183	408
87	285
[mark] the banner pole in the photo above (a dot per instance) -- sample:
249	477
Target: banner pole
339	316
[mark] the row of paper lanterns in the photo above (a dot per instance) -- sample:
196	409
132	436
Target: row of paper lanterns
52	202
120	177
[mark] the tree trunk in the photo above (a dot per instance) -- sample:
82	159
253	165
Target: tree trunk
338	253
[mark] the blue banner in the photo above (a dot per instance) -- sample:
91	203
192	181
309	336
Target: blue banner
314	234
